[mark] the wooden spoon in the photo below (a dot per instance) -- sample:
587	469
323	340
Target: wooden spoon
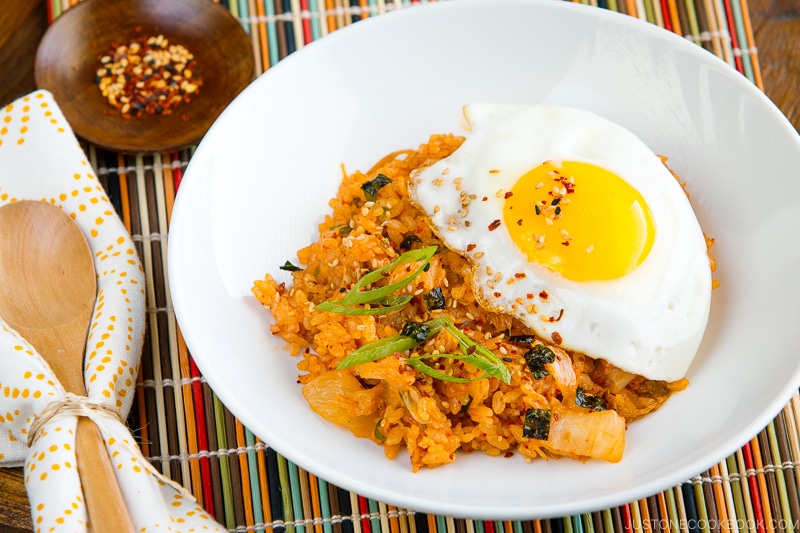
48	288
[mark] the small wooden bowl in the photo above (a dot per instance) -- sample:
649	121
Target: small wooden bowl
69	56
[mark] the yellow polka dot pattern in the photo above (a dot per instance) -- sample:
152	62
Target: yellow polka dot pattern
40	159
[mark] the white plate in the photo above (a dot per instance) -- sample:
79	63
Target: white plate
260	181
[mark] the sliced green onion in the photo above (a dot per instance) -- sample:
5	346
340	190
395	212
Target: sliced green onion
351	303
500	371
378	350
473	353
387	305
385	347
478	362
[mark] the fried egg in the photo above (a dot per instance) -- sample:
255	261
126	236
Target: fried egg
575	227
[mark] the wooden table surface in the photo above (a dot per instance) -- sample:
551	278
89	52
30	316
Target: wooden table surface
776	25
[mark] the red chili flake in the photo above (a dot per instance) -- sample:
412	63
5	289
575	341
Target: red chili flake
521	275
519	222
484	198
494	225
497	294
471	247
529	296
508	195
556	336
565	243
508	454
147	75
555	416
543	295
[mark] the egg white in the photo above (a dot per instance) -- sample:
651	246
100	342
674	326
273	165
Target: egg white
649	322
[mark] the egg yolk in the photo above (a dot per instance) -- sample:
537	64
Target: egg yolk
579	220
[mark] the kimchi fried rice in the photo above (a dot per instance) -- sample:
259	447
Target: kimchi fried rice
431	396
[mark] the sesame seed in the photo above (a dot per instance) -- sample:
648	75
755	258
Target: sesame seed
498	277
589	248
437	181
436	208
360	327
503	350
490	284
452	228
478	255
470	316
500	193
489	271
540	185
445	172
458	181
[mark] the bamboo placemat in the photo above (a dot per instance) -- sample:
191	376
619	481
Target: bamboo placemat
188	434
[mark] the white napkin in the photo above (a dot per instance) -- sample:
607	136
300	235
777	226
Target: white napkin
40	159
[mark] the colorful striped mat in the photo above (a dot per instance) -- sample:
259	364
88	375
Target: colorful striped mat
190	436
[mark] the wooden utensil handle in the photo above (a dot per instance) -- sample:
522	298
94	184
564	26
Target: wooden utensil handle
106	507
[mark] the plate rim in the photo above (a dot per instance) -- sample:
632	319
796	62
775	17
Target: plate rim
227	393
